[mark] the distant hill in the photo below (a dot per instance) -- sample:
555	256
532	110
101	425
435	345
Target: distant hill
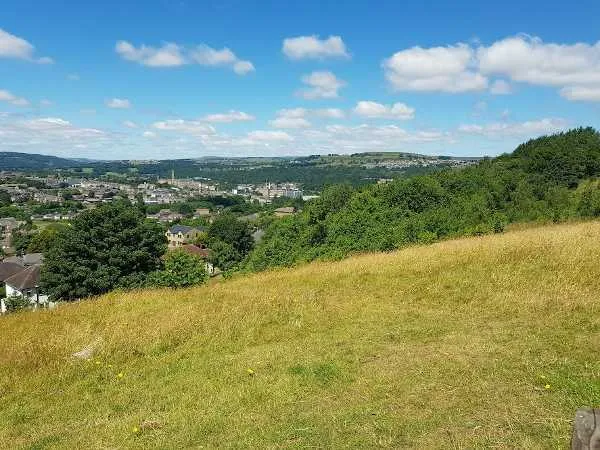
28	161
484	342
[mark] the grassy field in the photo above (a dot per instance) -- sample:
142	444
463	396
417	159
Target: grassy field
487	342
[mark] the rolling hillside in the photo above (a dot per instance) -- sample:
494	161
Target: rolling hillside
487	342
28	161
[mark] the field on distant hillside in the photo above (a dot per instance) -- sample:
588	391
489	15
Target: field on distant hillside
487	342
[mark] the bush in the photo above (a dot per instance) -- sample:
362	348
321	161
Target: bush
16	303
180	270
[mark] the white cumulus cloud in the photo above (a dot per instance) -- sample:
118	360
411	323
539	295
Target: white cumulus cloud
374	110
14	47
193	127
321	84
311	47
573	68
500	87
270	136
173	55
290	118
443	69
516	129
118	103
231	116
9	97
581	93
330	113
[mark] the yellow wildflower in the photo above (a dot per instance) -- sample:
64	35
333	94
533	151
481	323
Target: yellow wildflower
547	386
135	429
120	375
250	372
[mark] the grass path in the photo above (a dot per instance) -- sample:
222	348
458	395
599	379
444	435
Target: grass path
488	342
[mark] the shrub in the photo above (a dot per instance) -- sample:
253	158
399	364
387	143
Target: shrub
181	269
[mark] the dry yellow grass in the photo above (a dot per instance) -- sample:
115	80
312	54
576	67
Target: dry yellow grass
445	346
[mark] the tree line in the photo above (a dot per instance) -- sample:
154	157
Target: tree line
552	178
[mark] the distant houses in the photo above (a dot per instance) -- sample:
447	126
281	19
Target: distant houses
179	235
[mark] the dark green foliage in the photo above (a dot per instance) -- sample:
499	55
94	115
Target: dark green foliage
4	198
227	228
21	239
15	303
103	247
44	239
180	270
536	183
224	256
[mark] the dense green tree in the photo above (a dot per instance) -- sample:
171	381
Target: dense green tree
21	239
5	198
44	239
224	256
103	246
229	229
181	269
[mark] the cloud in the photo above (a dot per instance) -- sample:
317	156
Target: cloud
311	47
387	135
56	124
9	97
243	67
193	127
118	103
15	47
573	68
47	133
73	77
290	118
149	134
45	102
321	85
270	136
373	110
129	124
169	55
297	118
330	113
500	87
581	93
516	129
530	60
174	55
441	69
207	56
231	116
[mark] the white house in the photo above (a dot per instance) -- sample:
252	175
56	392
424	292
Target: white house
25	283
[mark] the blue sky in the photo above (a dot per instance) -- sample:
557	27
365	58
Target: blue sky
167	79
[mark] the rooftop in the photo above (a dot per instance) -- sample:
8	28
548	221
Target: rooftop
27	278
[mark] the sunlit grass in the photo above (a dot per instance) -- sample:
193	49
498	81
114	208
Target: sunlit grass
482	342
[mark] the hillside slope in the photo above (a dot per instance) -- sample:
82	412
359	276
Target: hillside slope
481	342
29	161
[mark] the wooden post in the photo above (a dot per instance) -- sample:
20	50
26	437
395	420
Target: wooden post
586	430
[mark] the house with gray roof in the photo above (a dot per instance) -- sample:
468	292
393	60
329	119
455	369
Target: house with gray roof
179	235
